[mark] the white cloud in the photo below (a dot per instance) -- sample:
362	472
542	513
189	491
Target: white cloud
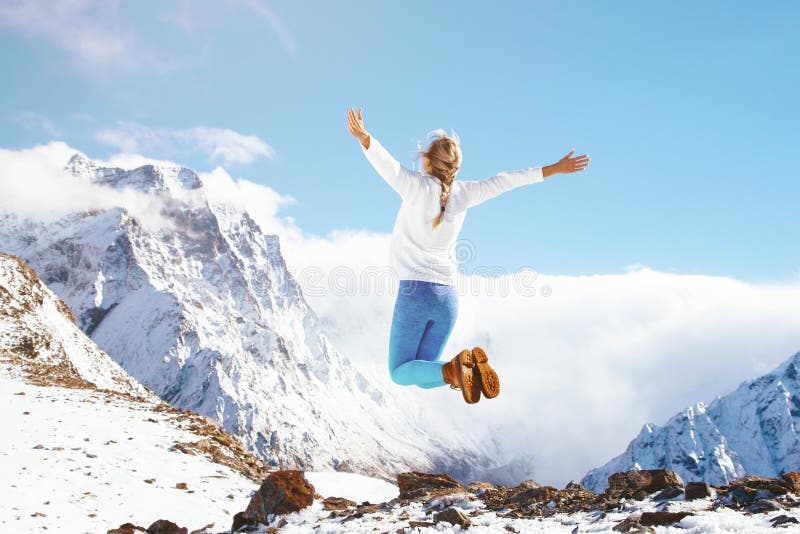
34	184
85	29
31	120
219	144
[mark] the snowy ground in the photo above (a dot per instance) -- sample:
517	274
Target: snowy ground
75	460
721	521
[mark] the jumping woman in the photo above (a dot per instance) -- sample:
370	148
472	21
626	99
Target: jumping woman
431	214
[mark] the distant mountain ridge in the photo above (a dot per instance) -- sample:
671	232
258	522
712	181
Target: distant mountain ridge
754	430
205	313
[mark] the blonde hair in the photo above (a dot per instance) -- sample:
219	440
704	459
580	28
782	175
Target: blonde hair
444	155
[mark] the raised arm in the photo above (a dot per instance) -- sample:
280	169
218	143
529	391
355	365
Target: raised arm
398	177
478	191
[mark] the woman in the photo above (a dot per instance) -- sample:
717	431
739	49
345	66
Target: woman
431	214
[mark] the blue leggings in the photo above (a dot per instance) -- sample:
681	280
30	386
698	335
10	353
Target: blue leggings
424	316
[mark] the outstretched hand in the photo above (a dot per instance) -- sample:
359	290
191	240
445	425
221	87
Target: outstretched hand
567	164
355	123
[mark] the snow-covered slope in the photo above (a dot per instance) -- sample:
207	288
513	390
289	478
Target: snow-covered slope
204	312
754	430
39	339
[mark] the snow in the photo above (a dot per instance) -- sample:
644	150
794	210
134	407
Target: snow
98	451
357	488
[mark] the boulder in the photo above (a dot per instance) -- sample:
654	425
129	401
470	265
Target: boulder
162	526
282	492
412	483
652	519
783	520
762	506
697	490
453	516
337	503
791	481
638	483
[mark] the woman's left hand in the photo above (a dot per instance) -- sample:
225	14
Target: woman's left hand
567	164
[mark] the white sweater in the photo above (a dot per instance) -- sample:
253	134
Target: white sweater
418	251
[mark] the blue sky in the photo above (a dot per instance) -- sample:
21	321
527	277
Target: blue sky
689	112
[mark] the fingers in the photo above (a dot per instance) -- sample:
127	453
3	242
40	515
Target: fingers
571	152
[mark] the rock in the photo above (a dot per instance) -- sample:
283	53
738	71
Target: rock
182	486
240	520
162	526
420	524
539	494
773	485
127	528
791	481
668	493
639	483
762	506
574	486
697	490
282	492
652	519
626	525
203	530
337	503
412	483
453	516
783	520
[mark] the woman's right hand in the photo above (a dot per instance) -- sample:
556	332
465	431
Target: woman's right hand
355	123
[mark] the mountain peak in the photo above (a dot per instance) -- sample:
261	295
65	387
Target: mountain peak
147	178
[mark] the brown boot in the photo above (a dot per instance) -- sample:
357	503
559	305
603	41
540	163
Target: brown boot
490	383
460	373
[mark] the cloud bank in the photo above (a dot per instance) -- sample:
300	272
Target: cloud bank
584	361
219	144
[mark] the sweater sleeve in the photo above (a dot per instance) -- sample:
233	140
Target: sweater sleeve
398	177
478	191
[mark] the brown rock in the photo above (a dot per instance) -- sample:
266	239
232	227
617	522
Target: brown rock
541	494
337	503
453	516
162	526
792	481
762	506
240	520
282	492
697	490
652	519
414	482
626	525
783	520
420	524
773	485
639	483
182	486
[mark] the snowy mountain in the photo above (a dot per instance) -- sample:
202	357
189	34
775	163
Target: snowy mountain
754	430
202	310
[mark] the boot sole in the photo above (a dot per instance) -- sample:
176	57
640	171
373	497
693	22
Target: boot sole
471	388
490	382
